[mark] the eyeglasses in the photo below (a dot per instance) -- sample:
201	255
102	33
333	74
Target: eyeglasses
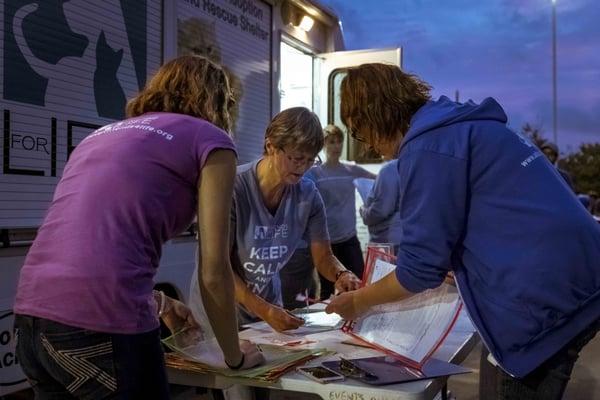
351	370
302	161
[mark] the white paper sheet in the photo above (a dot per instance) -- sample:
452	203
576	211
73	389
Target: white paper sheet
364	186
313	322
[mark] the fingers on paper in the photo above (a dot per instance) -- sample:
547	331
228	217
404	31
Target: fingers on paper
252	354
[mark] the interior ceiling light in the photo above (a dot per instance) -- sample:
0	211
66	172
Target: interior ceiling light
306	23
293	15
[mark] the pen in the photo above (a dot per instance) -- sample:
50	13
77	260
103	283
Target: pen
306	297
292	314
310	300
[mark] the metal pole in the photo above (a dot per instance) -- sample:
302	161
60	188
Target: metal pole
554	110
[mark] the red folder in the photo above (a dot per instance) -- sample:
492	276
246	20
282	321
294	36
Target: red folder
373	255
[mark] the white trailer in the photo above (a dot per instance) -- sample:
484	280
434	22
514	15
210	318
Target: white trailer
68	67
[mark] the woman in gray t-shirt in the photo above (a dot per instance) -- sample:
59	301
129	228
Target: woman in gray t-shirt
275	209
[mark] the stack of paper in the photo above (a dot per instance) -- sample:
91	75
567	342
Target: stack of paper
364	187
206	356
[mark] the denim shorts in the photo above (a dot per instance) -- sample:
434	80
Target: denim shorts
66	362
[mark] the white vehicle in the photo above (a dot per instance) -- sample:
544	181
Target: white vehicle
68	67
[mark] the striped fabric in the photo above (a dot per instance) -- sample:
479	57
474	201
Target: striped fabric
76	362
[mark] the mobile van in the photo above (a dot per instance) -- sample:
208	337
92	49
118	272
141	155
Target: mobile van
68	67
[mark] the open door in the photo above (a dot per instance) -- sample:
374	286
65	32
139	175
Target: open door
330	69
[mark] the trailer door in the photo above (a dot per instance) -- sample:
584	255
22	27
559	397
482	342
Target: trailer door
330	69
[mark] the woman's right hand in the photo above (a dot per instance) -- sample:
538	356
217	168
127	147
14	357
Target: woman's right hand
252	354
347	305
281	320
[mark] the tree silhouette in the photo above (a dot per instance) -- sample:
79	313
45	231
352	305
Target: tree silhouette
535	133
584	167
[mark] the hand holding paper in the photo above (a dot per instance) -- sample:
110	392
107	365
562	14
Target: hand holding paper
347	282
281	320
178	317
252	354
354	304
347	306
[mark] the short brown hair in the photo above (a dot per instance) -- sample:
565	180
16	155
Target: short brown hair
380	99
333	132
191	85
298	128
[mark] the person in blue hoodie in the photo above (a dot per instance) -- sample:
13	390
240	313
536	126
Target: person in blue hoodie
482	201
380	213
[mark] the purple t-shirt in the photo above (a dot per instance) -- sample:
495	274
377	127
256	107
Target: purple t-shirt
128	188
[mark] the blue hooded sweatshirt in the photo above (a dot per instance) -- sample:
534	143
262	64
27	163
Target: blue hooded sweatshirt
481	200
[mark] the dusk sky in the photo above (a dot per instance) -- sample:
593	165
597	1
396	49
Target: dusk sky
498	48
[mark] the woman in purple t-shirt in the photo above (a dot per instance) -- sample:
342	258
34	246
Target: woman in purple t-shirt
86	315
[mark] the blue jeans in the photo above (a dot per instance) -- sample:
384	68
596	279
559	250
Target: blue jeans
65	362
546	382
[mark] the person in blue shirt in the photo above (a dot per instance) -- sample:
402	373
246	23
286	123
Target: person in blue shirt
380	213
482	201
333	179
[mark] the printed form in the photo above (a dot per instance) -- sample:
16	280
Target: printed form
412	328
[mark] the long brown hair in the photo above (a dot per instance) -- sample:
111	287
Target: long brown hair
378	101
297	128
191	85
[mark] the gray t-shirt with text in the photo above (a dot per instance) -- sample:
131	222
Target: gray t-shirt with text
265	242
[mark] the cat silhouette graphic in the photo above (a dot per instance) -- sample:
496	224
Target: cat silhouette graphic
42	28
108	92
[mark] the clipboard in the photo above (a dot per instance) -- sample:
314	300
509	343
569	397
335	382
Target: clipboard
386	370
379	264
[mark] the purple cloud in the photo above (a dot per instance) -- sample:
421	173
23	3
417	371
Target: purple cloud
498	48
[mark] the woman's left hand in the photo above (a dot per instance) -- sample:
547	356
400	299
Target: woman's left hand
347	282
450	279
177	317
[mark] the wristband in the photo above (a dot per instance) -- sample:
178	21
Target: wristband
340	273
239	364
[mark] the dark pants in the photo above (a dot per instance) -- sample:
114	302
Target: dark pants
546	382
297	277
65	362
350	255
